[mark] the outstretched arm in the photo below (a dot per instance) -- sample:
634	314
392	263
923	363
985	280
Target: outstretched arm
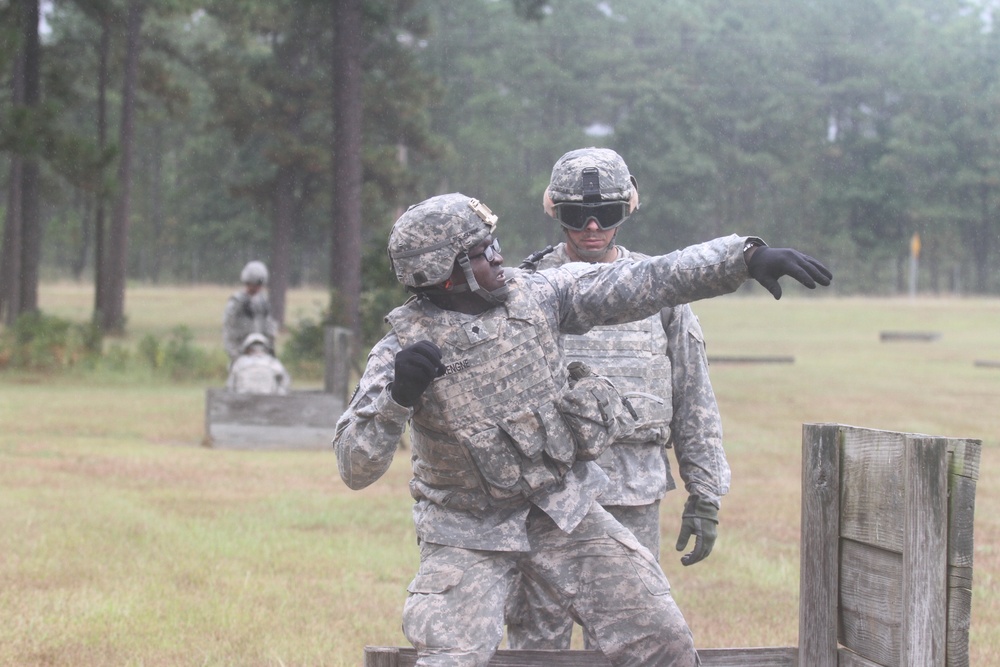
591	295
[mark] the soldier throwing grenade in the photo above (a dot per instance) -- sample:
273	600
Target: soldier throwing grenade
504	480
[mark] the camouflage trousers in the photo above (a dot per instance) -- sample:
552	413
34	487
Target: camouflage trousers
600	574
537	621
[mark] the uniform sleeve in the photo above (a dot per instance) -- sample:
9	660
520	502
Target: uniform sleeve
367	434
590	295
696	428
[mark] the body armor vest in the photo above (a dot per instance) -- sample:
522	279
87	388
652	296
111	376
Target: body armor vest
632	355
255	375
492	414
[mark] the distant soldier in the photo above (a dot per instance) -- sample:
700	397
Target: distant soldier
504	431
248	311
257	370
659	364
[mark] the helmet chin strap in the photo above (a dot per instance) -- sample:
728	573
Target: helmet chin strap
495	298
591	255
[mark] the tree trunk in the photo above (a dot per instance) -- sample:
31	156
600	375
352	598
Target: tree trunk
345	253
114	313
82	202
10	259
983	242
155	190
31	223
100	255
281	240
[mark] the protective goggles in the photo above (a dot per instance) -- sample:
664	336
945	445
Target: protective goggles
490	252
576	216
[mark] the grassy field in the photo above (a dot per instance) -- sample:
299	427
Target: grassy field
123	542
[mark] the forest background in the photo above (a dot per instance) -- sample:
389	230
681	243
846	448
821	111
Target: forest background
170	141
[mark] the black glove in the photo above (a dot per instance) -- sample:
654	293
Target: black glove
767	264
701	519
416	365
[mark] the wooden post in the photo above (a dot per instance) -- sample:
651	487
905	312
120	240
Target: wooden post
963	474
337	361
925	552
381	656
819	556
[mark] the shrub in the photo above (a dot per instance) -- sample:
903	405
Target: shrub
44	342
178	357
39	342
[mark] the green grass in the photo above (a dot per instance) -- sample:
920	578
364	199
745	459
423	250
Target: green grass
123	542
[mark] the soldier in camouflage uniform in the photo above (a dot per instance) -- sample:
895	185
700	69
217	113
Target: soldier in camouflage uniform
248	311
659	364
504	433
257	370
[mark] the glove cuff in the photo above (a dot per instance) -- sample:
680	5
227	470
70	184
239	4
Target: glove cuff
697	507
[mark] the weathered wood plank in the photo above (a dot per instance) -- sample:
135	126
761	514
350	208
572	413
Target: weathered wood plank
925	551
871	594
963	475
959	622
784	656
962	478
849	659
299	420
819	568
874	510
871	488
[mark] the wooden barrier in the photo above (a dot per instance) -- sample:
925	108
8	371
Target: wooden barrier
886	557
750	359
299	420
885	568
924	336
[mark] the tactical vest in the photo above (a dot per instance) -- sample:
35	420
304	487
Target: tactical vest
632	356
488	430
250	315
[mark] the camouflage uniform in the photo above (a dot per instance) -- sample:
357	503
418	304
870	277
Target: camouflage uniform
244	315
659	364
257	370
485	510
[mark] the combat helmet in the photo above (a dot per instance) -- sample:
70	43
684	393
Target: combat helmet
256	339
591	183
430	237
254	273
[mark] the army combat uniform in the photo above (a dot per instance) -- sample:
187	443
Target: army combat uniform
245	315
257	370
498	487
659	364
